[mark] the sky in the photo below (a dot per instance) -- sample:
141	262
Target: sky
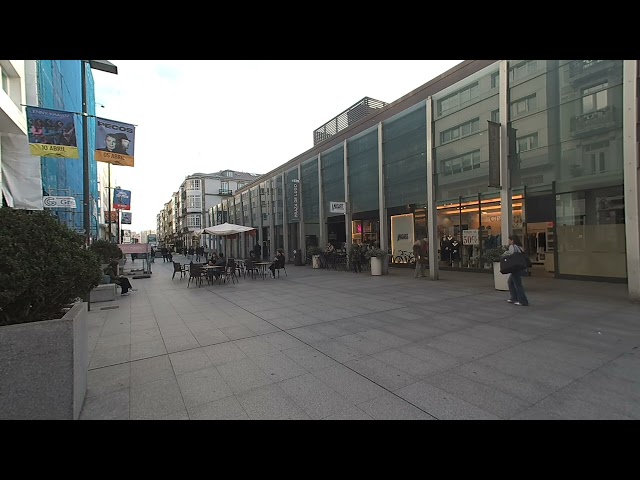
245	115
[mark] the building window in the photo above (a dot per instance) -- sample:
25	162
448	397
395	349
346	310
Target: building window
522	69
193	220
594	98
193	184
5	81
495	116
524	105
460	131
456	99
495	80
463	163
527	143
228	173
224	186
194	201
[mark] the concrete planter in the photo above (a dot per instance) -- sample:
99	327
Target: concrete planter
376	266
500	279
43	367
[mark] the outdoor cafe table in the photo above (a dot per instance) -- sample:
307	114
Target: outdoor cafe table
262	266
210	269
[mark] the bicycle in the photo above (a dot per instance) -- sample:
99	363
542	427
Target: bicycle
405	256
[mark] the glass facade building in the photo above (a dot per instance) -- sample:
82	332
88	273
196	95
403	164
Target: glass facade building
420	167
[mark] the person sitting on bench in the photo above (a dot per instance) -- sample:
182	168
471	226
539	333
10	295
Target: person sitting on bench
123	281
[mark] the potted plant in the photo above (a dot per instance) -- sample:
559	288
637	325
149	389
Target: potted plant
314	252
376	256
492	256
45	271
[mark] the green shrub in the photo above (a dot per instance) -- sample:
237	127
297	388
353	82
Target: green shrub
43	266
313	250
106	251
494	254
375	252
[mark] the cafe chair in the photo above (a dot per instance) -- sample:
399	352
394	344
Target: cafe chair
250	267
280	265
177	267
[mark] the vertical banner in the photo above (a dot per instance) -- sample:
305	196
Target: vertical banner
494	154
126	218
114	142
52	133
111	216
121	199
295	200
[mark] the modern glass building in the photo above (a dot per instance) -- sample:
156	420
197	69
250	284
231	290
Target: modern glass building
59	88
562	173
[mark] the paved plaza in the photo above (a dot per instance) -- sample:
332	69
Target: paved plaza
321	344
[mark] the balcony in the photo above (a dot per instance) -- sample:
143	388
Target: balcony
582	70
593	122
351	115
225	192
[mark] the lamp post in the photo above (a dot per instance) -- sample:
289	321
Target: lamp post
104	66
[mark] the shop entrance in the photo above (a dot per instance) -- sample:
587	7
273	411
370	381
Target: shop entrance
336	231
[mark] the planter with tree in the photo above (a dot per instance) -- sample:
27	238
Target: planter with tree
45	271
376	256
314	252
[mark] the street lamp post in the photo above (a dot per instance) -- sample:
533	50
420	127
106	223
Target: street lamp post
104	66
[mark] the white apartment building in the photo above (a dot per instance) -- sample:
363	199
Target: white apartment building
13	97
187	211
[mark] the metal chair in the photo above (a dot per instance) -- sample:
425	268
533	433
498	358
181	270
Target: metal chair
279	265
250	267
230	270
177	267
196	273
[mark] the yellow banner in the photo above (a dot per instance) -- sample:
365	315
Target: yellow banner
63	151
114	158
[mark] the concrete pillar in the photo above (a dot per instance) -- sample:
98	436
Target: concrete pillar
301	212
506	223
432	212
631	176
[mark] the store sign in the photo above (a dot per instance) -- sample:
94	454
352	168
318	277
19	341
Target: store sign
402	233
337	207
470	237
58	202
295	192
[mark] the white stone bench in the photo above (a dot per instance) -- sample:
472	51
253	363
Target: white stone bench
103	293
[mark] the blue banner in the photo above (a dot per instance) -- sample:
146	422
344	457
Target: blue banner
121	199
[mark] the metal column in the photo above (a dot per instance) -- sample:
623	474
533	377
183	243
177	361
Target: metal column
631	176
384	243
432	219
506	208
347	200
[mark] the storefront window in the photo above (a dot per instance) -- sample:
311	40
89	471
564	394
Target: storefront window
591	233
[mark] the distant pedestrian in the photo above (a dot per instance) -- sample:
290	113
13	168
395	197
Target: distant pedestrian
190	253
516	289
153	255
257	250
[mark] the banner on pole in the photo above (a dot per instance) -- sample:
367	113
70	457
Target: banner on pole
111	216
114	142
126	218
121	199
52	133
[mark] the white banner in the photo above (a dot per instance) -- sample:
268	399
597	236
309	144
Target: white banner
21	175
58	202
470	237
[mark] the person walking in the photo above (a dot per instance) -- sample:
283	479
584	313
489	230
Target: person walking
417	247
516	289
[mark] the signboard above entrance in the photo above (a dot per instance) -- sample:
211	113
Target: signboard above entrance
338	207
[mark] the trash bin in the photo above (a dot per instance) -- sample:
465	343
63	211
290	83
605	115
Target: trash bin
297	258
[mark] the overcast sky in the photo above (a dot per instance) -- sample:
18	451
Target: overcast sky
246	115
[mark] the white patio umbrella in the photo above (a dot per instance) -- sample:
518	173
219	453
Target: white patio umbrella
225	229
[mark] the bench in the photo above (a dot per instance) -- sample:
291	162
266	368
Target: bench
103	293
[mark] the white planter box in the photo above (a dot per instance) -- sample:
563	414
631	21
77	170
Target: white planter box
315	260
500	279
376	266
43	367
